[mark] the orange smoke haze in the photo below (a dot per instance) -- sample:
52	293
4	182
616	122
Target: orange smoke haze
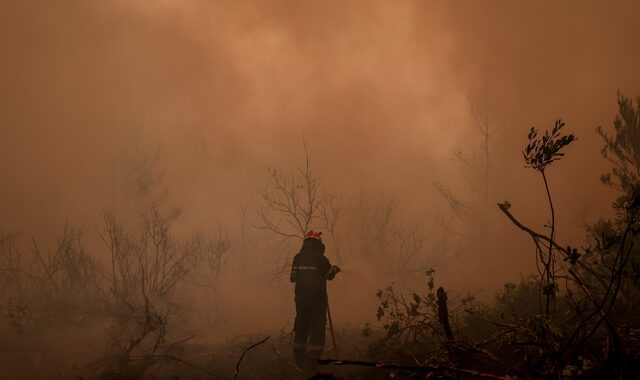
380	91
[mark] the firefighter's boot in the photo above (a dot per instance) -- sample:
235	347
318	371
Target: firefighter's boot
300	356
314	353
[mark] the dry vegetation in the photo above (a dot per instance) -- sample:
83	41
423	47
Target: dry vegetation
576	316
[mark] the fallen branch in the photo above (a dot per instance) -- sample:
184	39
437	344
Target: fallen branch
244	353
416	368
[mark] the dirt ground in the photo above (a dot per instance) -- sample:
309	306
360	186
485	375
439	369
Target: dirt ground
78	353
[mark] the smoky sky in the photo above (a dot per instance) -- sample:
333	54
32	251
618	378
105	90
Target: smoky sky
380	91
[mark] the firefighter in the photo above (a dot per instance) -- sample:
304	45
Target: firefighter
310	271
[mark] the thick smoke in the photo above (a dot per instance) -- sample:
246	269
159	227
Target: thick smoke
107	105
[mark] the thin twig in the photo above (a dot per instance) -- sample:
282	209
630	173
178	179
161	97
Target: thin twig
244	353
538	236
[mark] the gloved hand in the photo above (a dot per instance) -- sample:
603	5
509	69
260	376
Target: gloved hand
332	272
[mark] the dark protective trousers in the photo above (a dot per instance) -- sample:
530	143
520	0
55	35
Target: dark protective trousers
309	330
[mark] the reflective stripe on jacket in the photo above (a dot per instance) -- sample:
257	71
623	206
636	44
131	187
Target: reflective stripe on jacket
309	269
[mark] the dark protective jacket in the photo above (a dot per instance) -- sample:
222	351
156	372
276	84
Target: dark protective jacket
310	271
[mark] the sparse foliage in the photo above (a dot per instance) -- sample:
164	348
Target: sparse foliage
543	150
589	332
539	154
623	148
410	324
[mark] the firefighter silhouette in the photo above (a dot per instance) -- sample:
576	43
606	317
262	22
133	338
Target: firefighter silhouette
310	271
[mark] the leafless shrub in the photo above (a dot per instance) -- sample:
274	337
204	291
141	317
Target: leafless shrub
397	249
210	257
146	269
39	287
